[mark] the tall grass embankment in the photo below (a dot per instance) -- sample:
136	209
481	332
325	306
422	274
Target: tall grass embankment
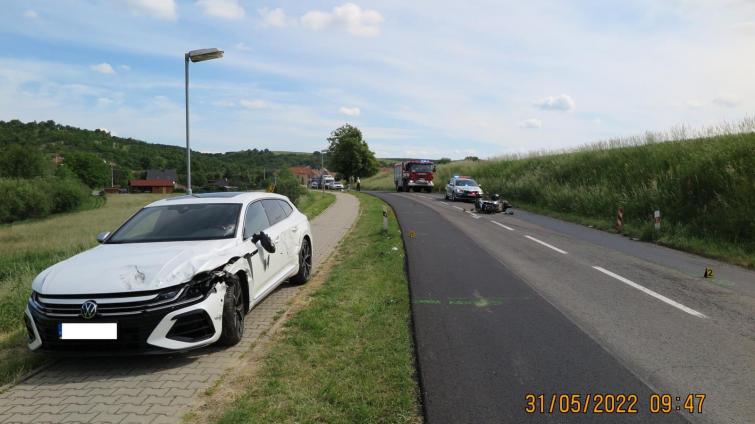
704	188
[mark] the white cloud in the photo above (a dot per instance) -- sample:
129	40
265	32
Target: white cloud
103	68
125	68
561	102
253	104
31	14
273	18
694	104
226	9
531	123
103	102
726	101
351	111
223	103
356	21
161	9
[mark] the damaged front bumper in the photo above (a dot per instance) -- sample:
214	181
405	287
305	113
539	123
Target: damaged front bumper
177	318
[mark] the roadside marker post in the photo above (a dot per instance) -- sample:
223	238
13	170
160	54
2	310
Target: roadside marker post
619	220
657	217
385	219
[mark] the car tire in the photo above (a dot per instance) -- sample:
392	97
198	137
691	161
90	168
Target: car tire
446	195
234	312
305	263
453	196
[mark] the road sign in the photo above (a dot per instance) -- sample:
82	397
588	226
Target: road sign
657	216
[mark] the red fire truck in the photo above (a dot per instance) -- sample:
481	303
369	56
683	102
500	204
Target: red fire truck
414	175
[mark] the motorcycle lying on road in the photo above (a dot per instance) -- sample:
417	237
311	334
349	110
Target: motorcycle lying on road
493	205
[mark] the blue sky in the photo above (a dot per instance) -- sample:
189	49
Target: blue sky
420	78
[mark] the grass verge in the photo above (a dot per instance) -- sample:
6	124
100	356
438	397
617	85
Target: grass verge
314	202
347	356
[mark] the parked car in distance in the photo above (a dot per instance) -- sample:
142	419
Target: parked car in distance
327	181
336	185
314	184
179	274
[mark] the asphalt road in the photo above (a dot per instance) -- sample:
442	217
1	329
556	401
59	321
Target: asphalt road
504	306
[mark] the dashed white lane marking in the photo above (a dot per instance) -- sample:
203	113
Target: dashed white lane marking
458	207
474	215
501	225
444	203
645	290
546	245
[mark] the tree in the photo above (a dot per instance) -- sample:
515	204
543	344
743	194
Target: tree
90	169
472	158
19	162
441	161
349	154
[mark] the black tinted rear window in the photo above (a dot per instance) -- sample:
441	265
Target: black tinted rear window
274	211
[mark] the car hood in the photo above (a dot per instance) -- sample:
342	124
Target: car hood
117	268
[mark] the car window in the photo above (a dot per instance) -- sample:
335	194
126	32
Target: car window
180	222
287	209
275	213
466	183
255	219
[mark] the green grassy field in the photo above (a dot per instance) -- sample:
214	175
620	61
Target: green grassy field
27	248
383	180
347	356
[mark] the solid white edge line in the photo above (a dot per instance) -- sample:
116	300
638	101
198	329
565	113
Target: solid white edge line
546	245
501	225
645	290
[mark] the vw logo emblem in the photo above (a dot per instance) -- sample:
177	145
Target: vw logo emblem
89	309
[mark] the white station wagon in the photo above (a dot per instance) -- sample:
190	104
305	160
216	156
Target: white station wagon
179	274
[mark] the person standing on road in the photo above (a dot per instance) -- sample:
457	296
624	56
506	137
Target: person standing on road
359	184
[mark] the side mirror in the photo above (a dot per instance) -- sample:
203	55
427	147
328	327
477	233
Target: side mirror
101	237
265	241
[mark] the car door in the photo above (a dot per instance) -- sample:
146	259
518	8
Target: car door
256	220
280	261
450	187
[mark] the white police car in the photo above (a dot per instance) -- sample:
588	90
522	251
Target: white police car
463	188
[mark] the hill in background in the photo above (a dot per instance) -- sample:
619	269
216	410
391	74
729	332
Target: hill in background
130	158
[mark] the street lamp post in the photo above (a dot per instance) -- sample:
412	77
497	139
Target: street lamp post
194	56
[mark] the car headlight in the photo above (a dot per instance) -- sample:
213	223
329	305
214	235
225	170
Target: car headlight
201	285
458	190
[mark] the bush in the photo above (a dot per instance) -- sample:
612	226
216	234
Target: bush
288	185
67	194
38	197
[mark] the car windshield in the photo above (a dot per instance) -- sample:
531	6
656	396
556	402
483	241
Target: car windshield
207	221
466	183
421	167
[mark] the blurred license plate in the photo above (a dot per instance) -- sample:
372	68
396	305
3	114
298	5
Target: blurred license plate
88	330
